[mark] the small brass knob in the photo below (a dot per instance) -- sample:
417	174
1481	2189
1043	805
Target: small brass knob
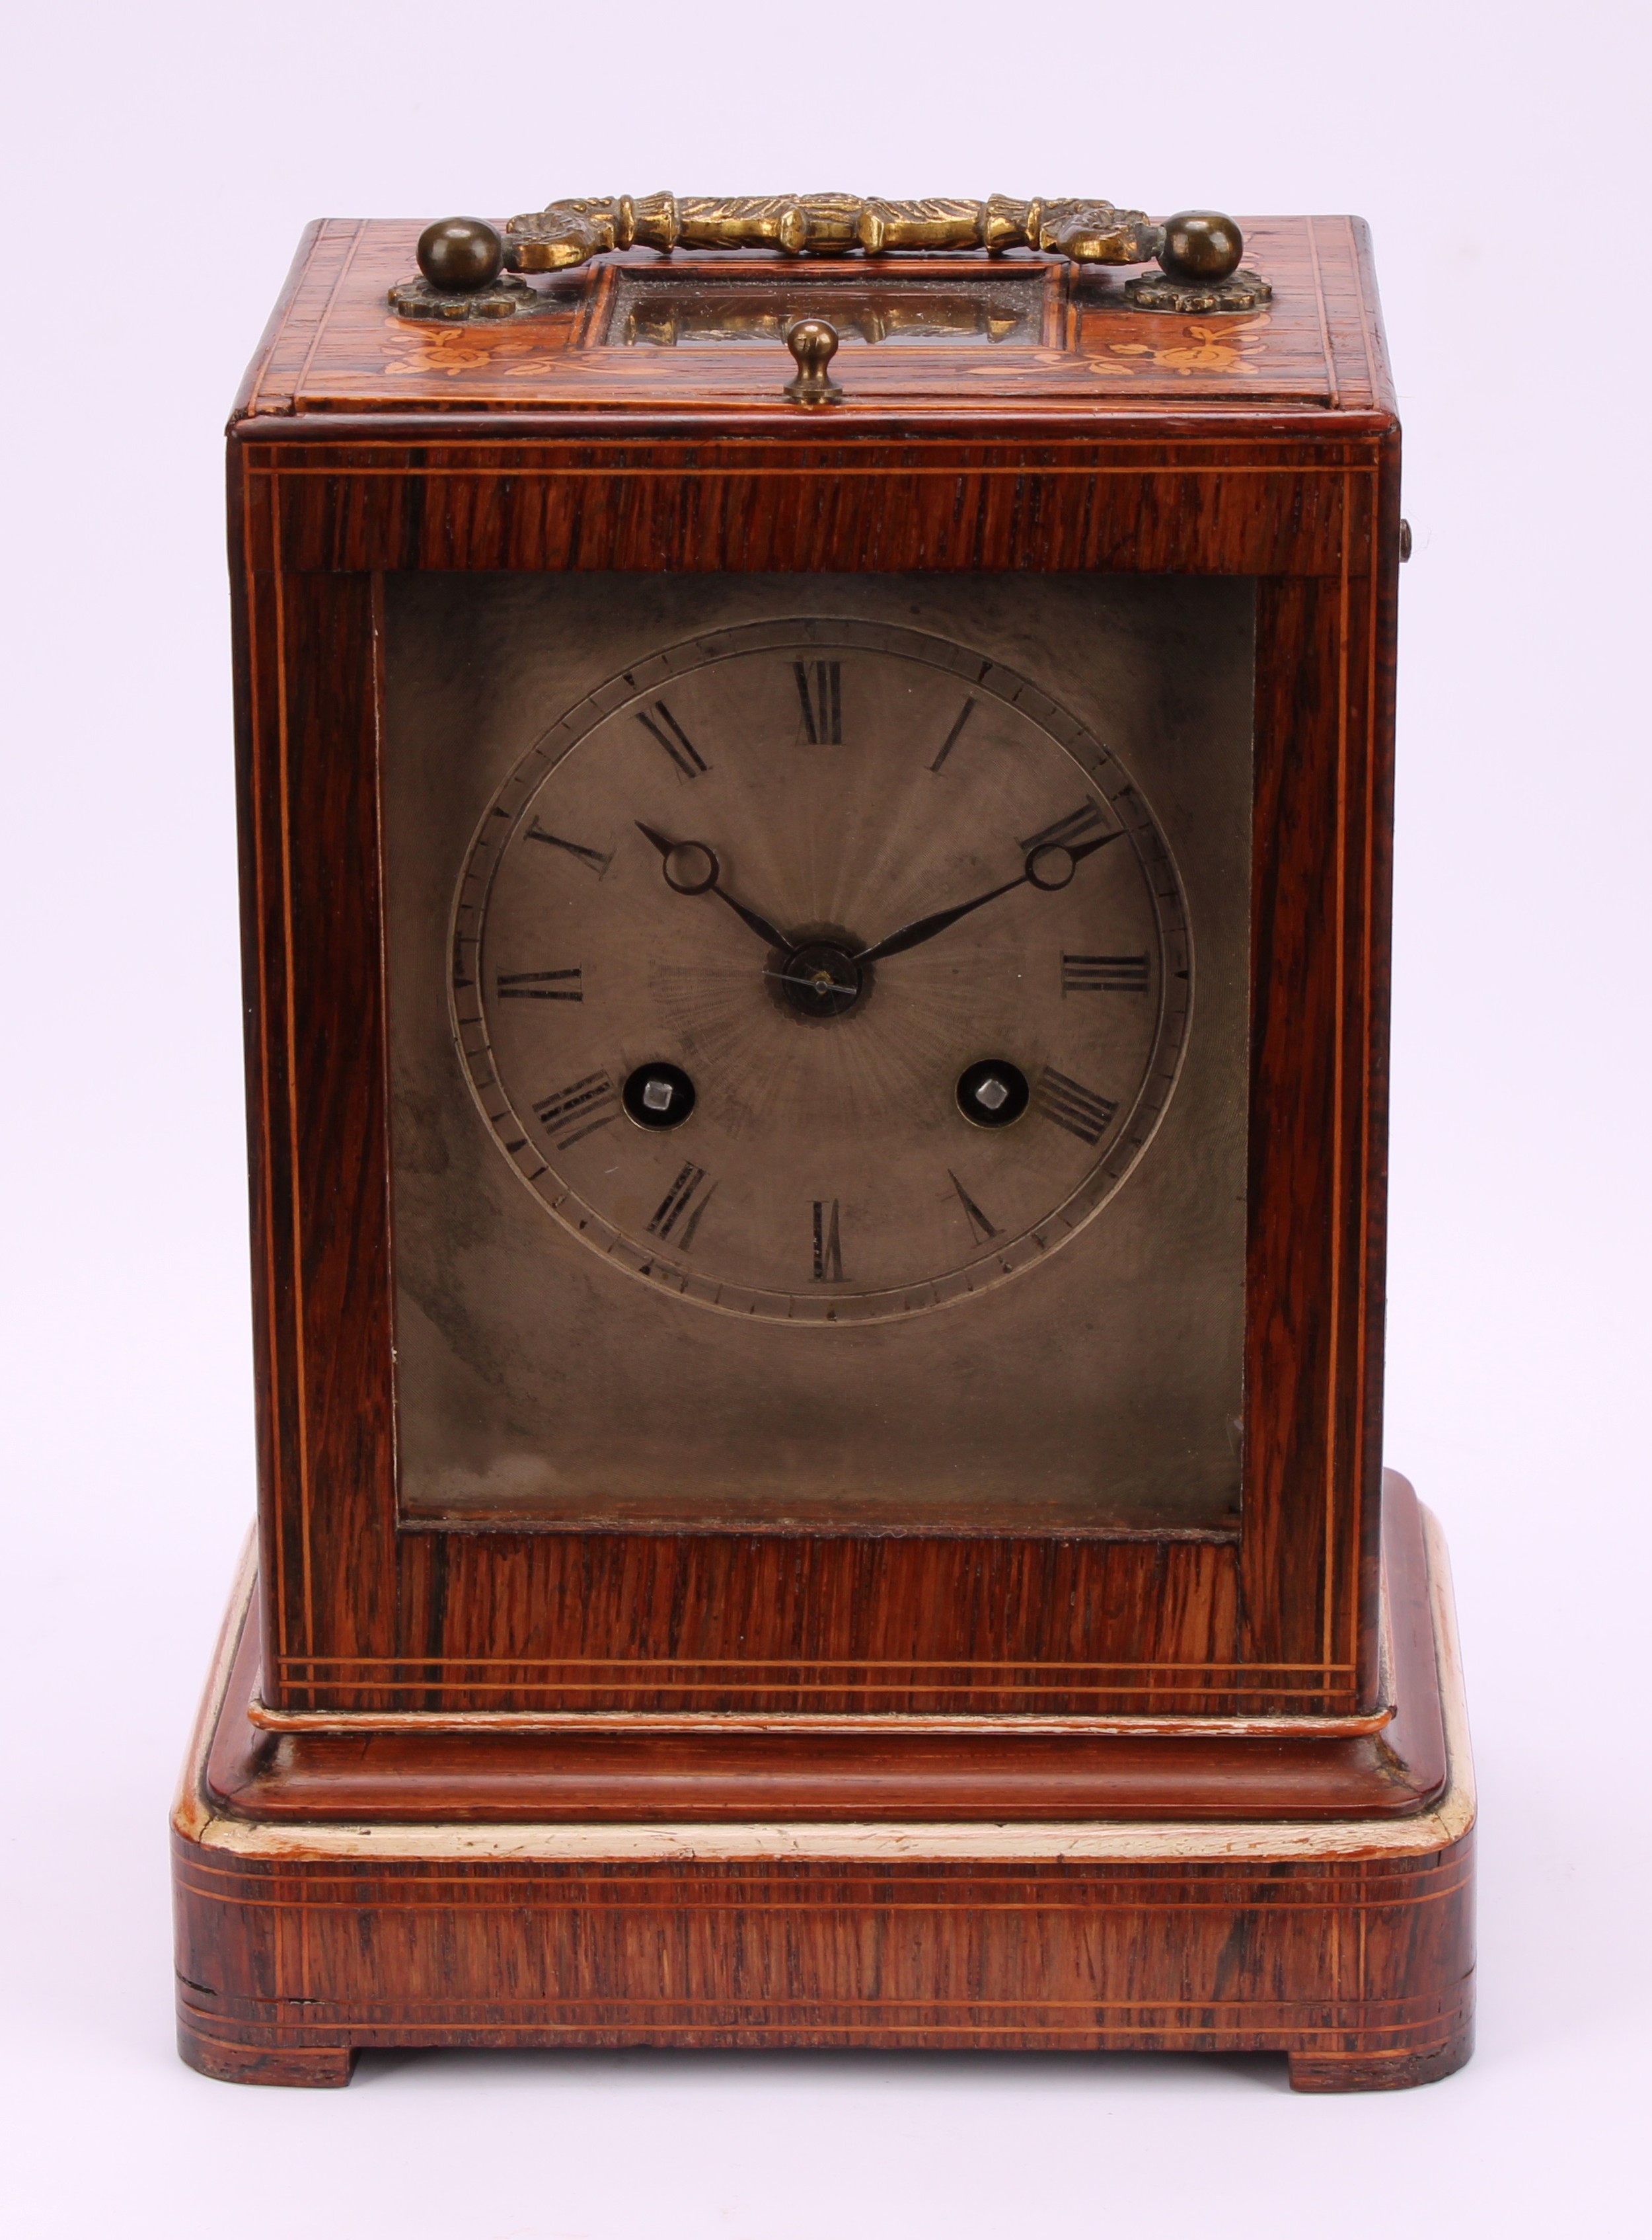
813	343
459	255
1200	245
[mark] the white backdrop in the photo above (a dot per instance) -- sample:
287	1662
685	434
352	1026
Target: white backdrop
164	159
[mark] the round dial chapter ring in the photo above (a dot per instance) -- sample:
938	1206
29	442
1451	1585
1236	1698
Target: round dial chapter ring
821	970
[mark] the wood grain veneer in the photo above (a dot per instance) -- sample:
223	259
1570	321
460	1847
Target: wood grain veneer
1345	1943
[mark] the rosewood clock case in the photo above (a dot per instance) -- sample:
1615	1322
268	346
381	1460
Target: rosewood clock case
368	451
1184	532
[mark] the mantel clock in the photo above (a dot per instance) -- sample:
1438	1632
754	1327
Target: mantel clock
815	804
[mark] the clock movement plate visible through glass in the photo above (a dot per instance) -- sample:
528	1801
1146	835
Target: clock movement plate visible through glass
819	1040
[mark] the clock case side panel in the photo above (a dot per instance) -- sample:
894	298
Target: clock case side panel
307	694
1321	931
361	1616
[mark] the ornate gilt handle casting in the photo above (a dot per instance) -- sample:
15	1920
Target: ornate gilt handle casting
567	233
462	260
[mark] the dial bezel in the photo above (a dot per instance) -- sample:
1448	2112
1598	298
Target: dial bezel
525	1148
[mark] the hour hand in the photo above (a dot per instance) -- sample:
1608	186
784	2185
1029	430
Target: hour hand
691	868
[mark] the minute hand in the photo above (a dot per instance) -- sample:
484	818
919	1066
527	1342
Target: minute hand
925	929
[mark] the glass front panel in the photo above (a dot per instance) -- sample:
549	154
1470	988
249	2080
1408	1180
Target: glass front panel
819	1049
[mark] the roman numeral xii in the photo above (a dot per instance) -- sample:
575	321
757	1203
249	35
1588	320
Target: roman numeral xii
820	693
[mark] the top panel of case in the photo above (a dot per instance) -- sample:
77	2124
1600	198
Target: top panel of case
702	334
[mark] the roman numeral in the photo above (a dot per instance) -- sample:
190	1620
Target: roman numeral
829	1249
661	725
689	1194
980	1228
538	988
1062	834
584	1106
1111	976
1070	1105
820	690
592	858
954	735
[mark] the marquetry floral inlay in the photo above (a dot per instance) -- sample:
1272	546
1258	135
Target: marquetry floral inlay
452	351
1204	348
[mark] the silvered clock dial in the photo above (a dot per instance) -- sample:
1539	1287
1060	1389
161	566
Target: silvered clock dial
820	971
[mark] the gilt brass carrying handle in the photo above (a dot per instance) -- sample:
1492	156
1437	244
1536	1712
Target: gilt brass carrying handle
465	262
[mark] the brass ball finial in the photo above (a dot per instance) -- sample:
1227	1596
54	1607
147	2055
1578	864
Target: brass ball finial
459	255
1200	245
813	343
